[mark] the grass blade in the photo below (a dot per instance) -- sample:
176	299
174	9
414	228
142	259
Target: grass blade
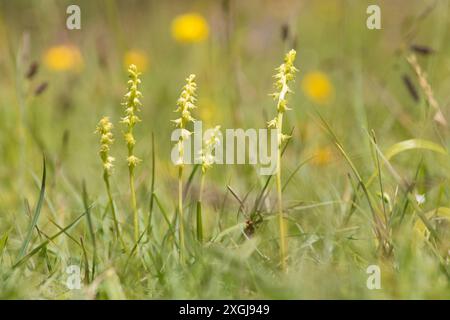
152	186
86	262
44	243
87	209
199	222
411	145
190	179
3	242
294	172
37	212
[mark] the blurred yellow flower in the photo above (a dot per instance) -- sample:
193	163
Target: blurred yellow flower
209	112
136	57
189	28
318	87
63	58
322	156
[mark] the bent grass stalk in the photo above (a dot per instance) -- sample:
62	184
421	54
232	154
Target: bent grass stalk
285	74
185	104
132	105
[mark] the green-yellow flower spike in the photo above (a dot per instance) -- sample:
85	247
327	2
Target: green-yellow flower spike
132	104
104	128
209	145
132	107
285	74
185	104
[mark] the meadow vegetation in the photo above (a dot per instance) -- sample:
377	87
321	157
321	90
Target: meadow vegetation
86	176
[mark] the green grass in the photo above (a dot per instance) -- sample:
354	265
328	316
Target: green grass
356	209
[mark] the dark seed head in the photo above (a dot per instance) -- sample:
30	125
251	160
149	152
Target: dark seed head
411	87
284	32
41	88
32	70
421	49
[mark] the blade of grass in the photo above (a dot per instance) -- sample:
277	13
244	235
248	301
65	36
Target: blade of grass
353	203
412	144
378	226
166	217
152	187
190	179
66	233
409	195
44	243
37	212
3	242
134	249
295	171
87	209
199	222
163	211
28	210
86	262
402	183
262	195
235	195
380	180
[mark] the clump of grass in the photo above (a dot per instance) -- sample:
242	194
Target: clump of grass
185	104
104	128
285	74
132	105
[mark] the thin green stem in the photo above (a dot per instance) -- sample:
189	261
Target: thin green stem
180	210
199	210
152	188
113	210
283	238
134	205
202	183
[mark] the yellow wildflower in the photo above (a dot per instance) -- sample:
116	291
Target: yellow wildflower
210	112
136	57
322	156
317	87
190	28
63	58
207	113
